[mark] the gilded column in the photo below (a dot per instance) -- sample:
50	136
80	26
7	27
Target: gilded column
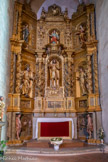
88	24
69	77
89	74
18	73
36	76
43	73
12	74
66	76
39	75
42	87
72	76
96	73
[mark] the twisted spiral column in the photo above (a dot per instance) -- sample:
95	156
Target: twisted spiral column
89	74
18	73
12	74
96	73
37	79
42	89
66	77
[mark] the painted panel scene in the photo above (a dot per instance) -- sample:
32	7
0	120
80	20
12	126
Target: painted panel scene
85	125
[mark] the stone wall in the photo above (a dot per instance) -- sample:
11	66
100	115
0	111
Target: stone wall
102	36
6	20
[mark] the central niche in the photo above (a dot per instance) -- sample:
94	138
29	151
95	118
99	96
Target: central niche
54	76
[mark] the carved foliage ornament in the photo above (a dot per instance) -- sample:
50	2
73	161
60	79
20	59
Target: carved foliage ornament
55	11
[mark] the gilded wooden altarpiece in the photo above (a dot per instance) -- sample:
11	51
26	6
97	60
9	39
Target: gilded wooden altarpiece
53	64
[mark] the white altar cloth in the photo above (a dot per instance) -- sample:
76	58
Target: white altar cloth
38	120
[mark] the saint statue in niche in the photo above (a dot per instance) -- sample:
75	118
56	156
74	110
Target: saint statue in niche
82	35
89	125
25	32
2	106
54	73
18	126
25	85
26	123
83	81
31	80
54	37
27	82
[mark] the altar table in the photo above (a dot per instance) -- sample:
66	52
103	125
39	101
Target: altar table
52	122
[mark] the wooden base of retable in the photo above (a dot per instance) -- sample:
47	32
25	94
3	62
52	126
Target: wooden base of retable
47	144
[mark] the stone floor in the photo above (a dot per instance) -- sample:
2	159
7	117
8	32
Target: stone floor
100	157
84	154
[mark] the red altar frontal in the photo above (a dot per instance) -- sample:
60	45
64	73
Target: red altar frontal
47	128
54	129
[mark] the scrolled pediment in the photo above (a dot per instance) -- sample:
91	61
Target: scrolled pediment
54	13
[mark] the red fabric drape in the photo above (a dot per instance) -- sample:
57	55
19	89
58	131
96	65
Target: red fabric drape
59	129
